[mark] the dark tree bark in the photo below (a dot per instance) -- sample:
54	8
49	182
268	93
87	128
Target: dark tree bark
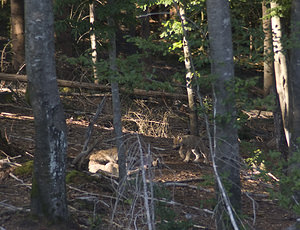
116	100
48	196
268	63
226	139
17	33
295	90
295	73
145	30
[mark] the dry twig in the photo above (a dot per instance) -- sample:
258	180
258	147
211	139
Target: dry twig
85	150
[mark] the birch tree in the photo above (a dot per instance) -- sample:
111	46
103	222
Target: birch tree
226	150
281	73
93	39
48	196
189	75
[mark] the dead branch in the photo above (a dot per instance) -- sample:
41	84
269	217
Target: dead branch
16	106
186	206
85	150
107	174
254	206
86	85
12	208
198	179
19	180
6	163
91	125
187	185
149	212
82	191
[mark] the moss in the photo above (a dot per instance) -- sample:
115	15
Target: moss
77	177
25	170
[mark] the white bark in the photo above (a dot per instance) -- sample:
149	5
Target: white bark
281	73
93	40
190	72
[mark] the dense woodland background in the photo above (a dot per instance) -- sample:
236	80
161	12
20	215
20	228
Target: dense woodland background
136	74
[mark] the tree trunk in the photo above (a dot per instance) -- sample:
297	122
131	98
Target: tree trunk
281	74
93	40
226	140
295	89
86	85
116	100
189	76
145	30
268	63
48	195
295	73
279	116
17	33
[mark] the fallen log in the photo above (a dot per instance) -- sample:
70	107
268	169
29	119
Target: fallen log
86	85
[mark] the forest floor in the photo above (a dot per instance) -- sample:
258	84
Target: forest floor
186	190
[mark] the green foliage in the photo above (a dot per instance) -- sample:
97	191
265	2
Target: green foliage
166	217
162	192
95	222
247	148
77	177
245	101
288	173
148	3
266	103
173	31
80	66
247	32
25	170
206	109
208	203
83	60
209	180
242	88
131	74
255	159
149	46
289	183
